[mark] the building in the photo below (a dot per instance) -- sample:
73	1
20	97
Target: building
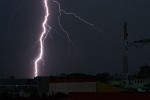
17	87
107	88
72	84
136	83
24	87
141	79
144	71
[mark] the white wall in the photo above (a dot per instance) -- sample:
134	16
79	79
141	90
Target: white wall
138	83
72	87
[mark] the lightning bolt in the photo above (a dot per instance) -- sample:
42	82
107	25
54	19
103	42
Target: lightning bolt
70	13
42	37
45	31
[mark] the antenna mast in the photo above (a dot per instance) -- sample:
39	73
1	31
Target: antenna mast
125	55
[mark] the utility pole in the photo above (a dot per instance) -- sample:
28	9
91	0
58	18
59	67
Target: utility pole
125	55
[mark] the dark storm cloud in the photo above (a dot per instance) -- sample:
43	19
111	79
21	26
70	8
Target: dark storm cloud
94	52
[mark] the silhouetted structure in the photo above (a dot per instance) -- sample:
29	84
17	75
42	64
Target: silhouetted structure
125	56
144	71
140	43
72	84
24	87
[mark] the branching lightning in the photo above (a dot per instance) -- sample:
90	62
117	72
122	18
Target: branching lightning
69	13
47	28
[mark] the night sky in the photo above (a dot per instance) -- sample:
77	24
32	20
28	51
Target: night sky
92	51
